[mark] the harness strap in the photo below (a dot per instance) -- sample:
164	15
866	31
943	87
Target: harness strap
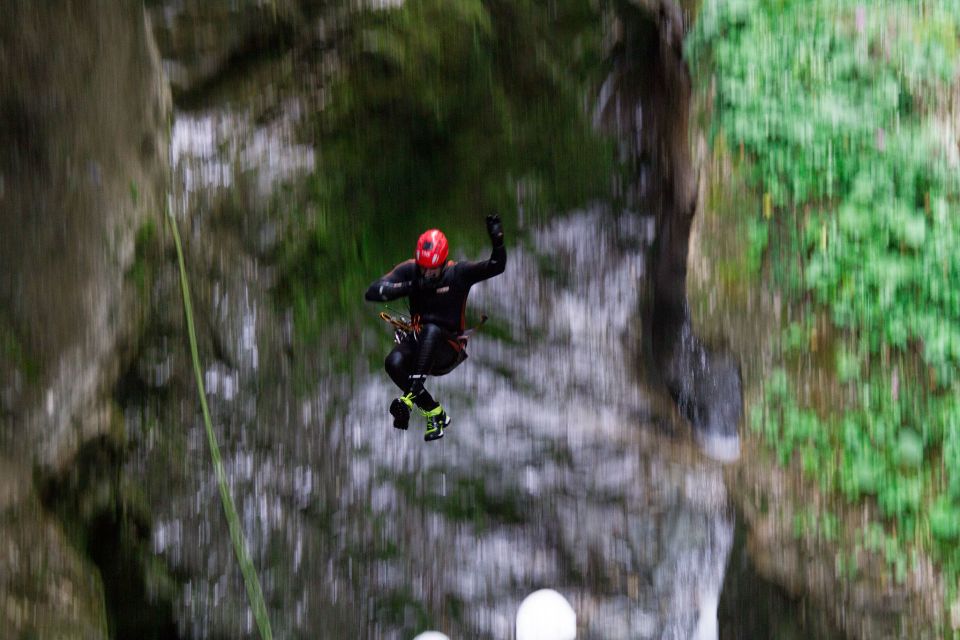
469	332
456	340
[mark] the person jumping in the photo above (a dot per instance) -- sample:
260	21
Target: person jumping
437	289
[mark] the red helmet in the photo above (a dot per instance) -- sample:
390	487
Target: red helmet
432	249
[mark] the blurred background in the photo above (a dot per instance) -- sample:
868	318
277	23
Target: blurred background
716	396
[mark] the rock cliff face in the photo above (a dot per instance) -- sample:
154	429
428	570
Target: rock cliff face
202	40
83	158
83	164
704	381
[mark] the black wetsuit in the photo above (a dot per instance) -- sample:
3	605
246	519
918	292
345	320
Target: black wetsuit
439	307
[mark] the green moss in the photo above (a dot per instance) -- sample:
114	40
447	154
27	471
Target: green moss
146	250
835	135
134	193
498	329
465	499
15	355
399	609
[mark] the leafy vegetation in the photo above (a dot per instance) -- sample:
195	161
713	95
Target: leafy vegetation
14	355
443	111
837	110
146	245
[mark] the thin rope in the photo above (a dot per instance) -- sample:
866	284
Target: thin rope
250	578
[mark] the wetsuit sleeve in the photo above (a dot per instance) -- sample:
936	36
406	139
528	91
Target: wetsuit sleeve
396	284
473	272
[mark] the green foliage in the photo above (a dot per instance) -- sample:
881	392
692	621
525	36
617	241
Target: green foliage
14	354
909	449
400	608
833	104
468	499
758	236
806	89
145	249
944	523
810	522
796	337
442	112
826	117
847	365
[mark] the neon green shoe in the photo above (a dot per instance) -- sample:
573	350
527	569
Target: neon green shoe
437	421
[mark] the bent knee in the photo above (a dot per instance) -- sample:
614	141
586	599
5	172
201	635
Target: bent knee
395	362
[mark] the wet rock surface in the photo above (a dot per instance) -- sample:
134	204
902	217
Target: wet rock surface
646	101
47	589
202	40
82	173
82	168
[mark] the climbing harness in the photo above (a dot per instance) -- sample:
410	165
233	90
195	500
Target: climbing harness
405	327
250	579
408	328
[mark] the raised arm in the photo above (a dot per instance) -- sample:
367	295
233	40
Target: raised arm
474	272
396	284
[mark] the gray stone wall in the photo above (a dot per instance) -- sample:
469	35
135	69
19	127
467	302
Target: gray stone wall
84	119
83	155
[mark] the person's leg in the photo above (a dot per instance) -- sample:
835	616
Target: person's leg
408	365
430	343
399	364
433	348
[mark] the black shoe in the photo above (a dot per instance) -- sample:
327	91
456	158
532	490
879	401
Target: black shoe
437	421
400	410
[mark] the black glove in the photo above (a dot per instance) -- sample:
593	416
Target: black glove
495	229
